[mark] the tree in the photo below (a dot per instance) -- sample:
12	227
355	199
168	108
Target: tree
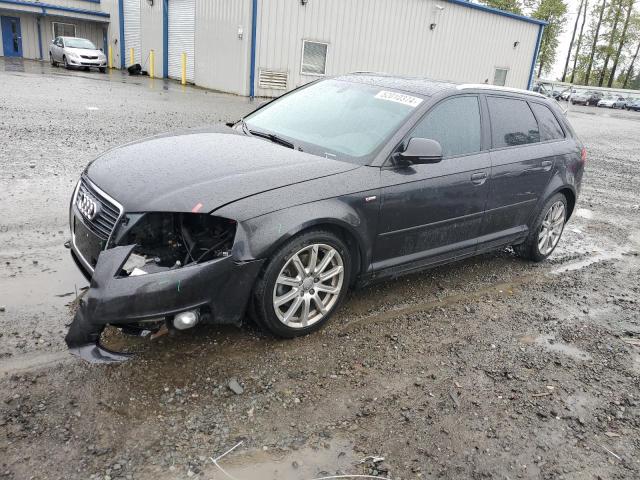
554	12
575	58
573	37
623	39
595	43
630	69
613	32
513	6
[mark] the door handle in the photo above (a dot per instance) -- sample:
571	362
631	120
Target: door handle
479	178
546	165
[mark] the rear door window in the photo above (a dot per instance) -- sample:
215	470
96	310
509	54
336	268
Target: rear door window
550	129
455	124
512	122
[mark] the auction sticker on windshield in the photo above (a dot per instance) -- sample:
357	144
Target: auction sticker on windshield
413	102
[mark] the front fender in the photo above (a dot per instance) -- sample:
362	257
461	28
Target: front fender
355	215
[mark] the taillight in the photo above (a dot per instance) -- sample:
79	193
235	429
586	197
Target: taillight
583	155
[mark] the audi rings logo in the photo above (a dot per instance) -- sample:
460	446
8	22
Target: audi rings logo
87	205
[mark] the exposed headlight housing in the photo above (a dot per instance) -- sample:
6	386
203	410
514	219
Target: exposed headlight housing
172	240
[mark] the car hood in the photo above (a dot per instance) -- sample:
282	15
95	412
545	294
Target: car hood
84	51
202	170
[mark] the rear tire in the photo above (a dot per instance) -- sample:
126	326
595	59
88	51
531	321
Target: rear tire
302	284
53	62
547	229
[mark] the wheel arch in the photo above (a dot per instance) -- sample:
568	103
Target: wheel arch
259	238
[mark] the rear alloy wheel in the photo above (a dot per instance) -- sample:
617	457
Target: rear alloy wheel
303	284
547	230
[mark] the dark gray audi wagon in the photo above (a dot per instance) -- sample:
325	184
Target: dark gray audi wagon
339	183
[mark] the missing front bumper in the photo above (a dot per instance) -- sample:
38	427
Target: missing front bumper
222	286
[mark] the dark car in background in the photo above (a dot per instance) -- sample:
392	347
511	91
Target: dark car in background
340	183
586	98
633	105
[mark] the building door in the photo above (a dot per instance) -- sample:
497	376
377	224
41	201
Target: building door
131	10
11	36
182	28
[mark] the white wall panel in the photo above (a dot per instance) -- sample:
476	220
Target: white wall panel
182	26
222	58
151	35
393	36
132	37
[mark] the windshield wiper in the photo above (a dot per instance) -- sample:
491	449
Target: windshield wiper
269	136
274	138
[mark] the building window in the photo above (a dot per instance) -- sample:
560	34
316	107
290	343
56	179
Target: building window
314	58
500	76
63	30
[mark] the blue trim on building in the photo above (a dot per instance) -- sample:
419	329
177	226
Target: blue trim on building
535	57
495	11
165	38
48	6
123	59
254	30
39	37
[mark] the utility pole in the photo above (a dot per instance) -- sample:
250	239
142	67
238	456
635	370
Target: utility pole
573	36
575	59
595	43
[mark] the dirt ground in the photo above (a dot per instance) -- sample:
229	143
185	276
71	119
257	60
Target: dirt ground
487	368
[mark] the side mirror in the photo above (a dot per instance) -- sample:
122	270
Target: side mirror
421	150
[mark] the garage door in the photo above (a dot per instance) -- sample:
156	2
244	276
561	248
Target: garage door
131	10
182	28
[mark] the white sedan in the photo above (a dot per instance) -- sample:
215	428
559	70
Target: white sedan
76	52
612	101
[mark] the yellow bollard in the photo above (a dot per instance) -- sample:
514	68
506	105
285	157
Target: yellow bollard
184	69
152	64
110	57
131	59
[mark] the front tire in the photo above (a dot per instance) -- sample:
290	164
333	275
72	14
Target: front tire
302	284
547	229
102	69
66	64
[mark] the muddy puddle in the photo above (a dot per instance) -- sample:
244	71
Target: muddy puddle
551	344
41	286
327	459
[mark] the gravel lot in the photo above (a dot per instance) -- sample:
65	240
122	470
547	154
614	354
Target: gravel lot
487	368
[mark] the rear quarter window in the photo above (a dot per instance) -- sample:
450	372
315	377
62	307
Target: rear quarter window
512	122
550	129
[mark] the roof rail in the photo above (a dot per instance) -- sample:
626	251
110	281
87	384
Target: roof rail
484	86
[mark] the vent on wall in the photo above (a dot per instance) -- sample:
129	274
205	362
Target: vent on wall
272	79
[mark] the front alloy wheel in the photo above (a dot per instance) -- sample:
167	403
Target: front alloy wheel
302	284
308	286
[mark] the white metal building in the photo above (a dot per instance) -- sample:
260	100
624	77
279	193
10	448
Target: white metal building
28	27
266	47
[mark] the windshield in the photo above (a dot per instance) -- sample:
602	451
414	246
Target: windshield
336	118
79	43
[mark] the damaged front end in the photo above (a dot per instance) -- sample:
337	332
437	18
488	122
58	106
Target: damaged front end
158	268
